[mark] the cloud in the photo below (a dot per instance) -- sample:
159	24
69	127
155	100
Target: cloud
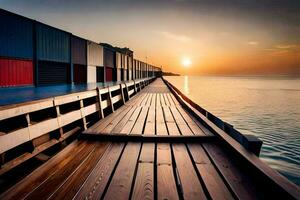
288	46
176	37
254	43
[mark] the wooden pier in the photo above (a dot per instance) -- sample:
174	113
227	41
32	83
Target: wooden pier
155	146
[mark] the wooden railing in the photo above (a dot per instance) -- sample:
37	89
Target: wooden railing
30	128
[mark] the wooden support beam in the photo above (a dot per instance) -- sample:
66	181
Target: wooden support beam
101	114
122	93
82	115
110	100
58	121
148	138
127	91
135	90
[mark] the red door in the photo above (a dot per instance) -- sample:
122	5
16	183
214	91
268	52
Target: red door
15	72
109	74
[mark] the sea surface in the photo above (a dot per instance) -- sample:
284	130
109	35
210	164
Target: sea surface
267	107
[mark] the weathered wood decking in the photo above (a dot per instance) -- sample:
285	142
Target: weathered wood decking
144	166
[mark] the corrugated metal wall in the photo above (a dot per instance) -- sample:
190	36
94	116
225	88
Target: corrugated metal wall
109	58
118	60
53	73
16	36
95	54
133	69
52	44
15	72
125	62
119	74
137	70
79	50
129	74
91	74
80	73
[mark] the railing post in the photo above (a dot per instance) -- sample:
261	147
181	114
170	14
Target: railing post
122	93
135	91
140	87
110	100
101	114
58	116
82	114
127	91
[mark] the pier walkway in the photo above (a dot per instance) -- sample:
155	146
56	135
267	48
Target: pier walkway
159	161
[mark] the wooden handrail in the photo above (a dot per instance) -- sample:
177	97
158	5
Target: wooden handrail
18	136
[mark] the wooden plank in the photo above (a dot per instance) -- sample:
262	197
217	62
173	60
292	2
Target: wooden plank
147	153
148	103
120	185
166	99
144	182
116	98
68	118
191	186
117	137
137	99
130	123
13	139
240	183
94	186
99	126
38	176
54	180
90	109
168	115
162	100
164	154
171	101
23	108
139	124
174	99
143	102
166	185
177	116
130	92
161	128
69	188
182	125
26	156
116	121
134	99
191	123
153	103
212	180
150	121
158	103
120	125
170	122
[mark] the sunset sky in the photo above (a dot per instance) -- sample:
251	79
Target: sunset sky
231	37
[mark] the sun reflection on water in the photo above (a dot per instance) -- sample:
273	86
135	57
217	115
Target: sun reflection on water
186	85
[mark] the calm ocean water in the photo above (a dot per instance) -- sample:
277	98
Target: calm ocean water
266	107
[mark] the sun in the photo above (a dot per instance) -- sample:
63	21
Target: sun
186	62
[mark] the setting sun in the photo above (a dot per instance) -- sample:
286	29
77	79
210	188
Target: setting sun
186	62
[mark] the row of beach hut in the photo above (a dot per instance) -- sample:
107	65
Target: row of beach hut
33	53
